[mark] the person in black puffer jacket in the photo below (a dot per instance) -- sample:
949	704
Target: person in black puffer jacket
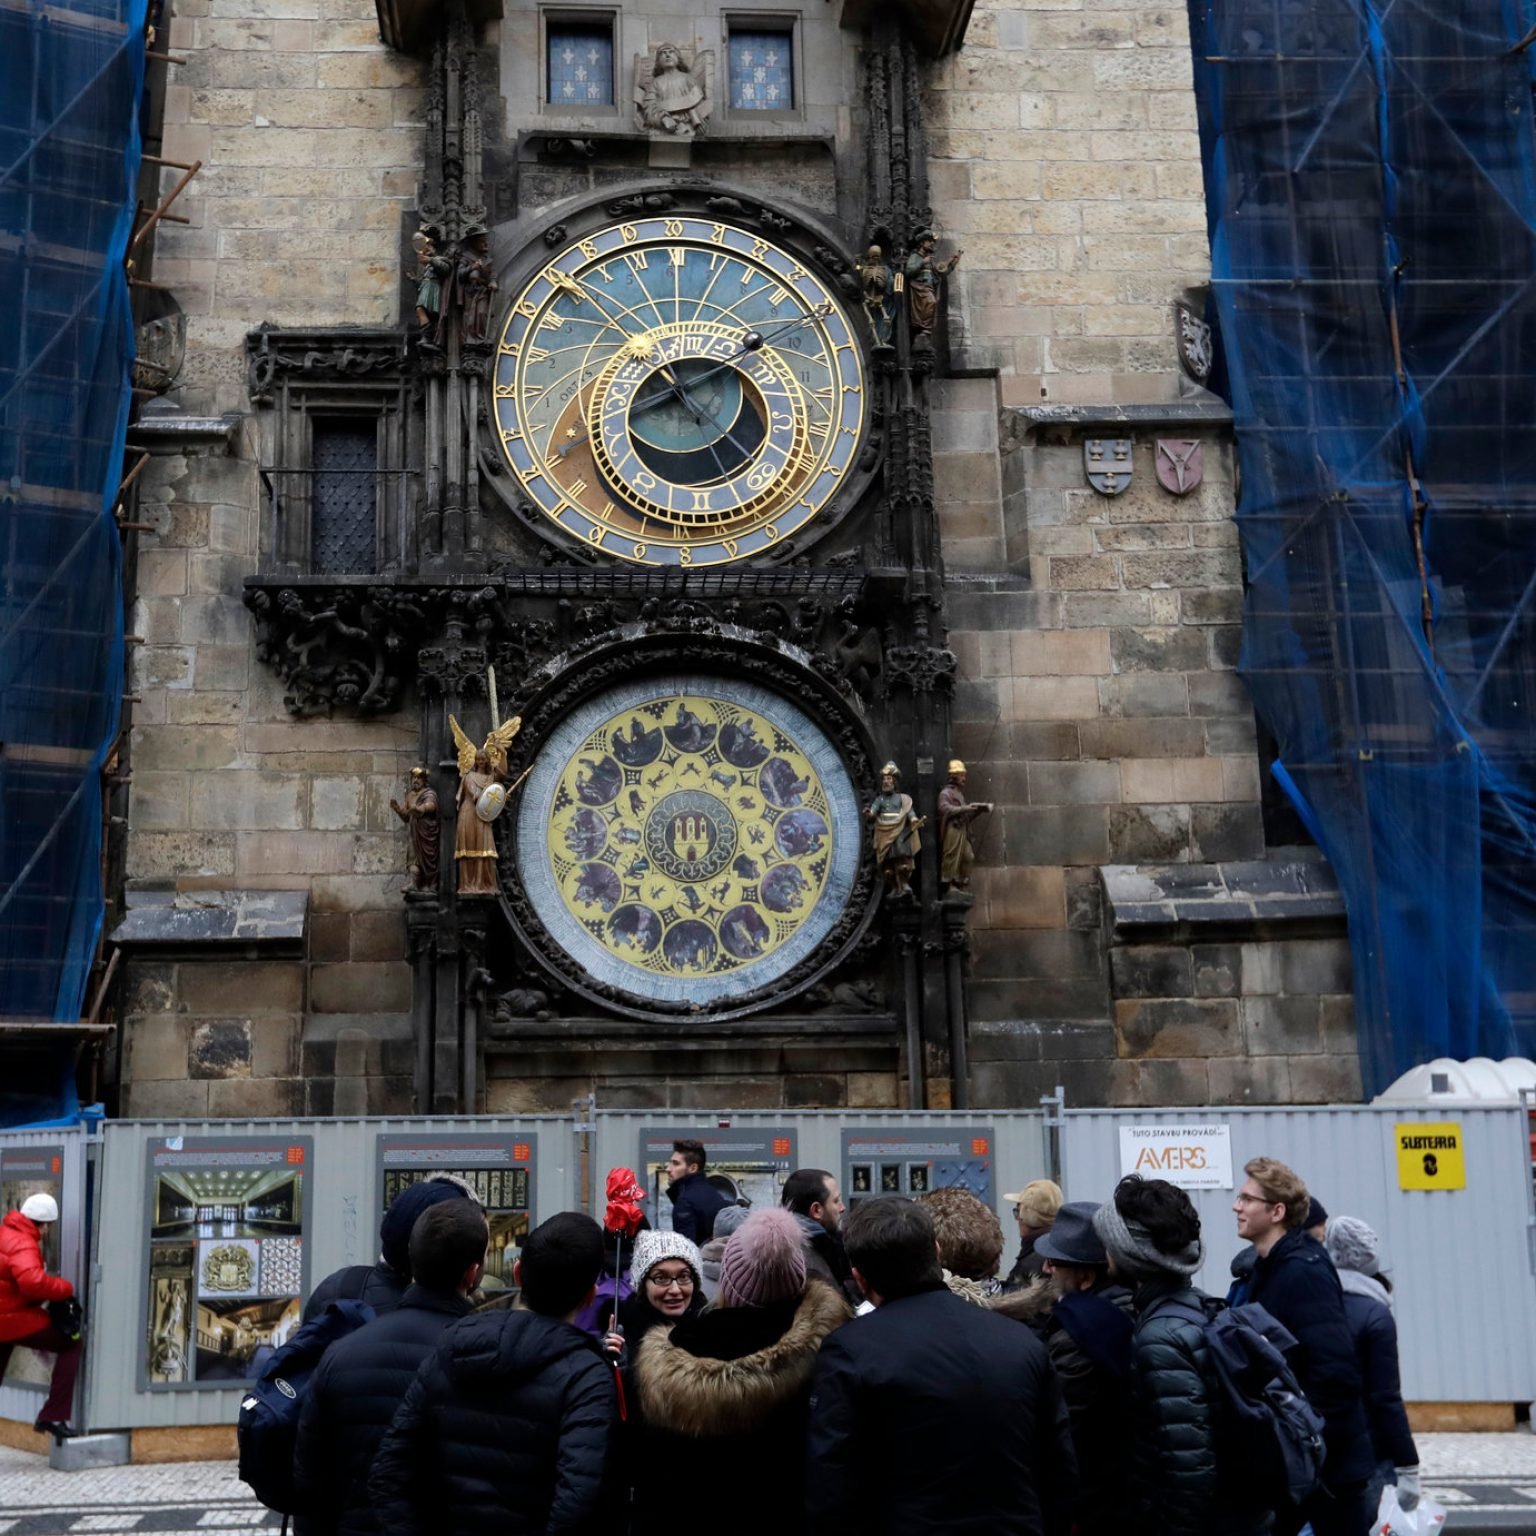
1179	1486
362	1379
507	1426
732	1385
1086	1320
382	1286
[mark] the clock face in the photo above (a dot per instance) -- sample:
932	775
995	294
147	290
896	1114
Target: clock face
677	391
688	840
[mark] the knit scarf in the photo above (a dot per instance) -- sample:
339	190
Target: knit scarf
1133	1250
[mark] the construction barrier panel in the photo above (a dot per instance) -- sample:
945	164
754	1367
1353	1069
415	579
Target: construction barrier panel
1448	1191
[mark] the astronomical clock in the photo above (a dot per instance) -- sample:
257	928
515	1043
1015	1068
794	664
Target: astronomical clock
680	392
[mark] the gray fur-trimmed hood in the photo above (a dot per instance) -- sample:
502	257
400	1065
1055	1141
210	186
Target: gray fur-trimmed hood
1031	1305
702	1397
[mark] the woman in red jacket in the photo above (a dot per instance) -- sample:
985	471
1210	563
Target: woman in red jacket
25	1290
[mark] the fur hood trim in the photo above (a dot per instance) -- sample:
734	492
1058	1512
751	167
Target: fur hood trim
1031	1305
691	1395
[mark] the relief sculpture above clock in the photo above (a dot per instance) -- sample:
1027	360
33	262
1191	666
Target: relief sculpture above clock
678	391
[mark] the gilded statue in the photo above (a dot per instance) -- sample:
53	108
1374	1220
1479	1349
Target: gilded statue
672	91
897	834
956	814
482	797
419	813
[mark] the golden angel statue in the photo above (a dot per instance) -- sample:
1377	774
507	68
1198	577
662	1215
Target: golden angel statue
482	797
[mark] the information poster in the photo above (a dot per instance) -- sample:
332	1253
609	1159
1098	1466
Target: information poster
746	1162
227	1223
499	1167
913	1160
1191	1156
24	1172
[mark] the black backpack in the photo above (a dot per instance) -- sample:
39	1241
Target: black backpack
1269	1437
268	1426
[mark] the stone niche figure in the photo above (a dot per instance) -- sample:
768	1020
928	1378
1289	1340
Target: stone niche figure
672	91
482	797
897	837
475	277
924	275
877	282
956	814
431	268
419	813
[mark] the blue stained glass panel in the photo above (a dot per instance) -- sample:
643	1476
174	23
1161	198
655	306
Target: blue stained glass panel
762	72
580	65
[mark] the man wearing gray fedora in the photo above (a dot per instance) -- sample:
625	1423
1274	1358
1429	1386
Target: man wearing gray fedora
1086	1322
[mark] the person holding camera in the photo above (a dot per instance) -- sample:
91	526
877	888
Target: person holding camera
33	1310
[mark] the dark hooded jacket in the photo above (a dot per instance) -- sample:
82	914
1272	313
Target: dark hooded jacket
695	1204
1374	1330
352	1397
933	1417
1092	1360
1176	1477
1296	1283
506	1428
725	1389
375	1285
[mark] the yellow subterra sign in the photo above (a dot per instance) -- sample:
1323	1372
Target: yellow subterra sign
1430	1155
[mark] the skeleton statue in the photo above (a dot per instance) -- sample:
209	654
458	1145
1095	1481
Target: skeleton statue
672	91
876	281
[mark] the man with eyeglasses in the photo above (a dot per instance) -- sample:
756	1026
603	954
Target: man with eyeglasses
1295	1281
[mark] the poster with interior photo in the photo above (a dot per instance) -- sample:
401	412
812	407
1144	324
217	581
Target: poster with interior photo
745	1163
499	1166
24	1172
228	1222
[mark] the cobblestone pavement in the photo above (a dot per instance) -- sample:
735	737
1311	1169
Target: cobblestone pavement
1485	1482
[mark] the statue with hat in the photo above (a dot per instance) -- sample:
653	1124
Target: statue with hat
476	281
419	813
924	274
956	814
897	834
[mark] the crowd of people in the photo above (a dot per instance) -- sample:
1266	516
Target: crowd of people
807	1368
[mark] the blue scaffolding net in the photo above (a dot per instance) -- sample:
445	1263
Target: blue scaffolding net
1371	179
71	79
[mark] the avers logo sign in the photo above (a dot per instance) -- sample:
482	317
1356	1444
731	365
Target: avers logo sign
1191	1156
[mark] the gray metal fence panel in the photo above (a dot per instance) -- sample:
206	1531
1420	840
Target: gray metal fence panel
745	1140
1464	1298
343	1207
50	1162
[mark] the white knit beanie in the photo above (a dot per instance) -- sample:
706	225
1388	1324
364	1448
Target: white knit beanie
1351	1244
40	1208
652	1246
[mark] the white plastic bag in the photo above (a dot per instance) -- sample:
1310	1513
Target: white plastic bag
1424	1519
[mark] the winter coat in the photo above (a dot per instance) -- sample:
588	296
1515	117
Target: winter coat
612	1285
1176	1480
376	1285
824	1257
506	1428
1296	1283
1029	1266
1096	1388
26	1287
726	1389
1368	1312
695	1202
1242	1275
933	1416
352	1397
